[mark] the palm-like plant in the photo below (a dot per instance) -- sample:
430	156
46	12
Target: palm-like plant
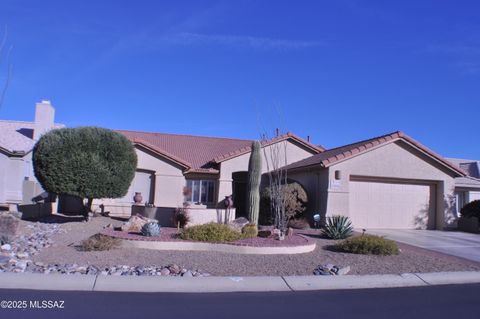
338	227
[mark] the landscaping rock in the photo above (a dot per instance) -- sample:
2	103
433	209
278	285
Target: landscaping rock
343	271
6	247
331	270
238	224
265	233
135	223
188	274
8	224
4	259
165	272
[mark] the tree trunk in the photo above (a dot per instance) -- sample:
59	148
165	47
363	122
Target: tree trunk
88	208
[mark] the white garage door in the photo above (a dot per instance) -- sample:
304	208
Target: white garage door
379	204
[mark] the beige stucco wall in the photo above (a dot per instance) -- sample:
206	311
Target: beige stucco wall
392	161
3	177
294	153
14	172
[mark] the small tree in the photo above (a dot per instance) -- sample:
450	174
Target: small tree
276	160
253	187
87	162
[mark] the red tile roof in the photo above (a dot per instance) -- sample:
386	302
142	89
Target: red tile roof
334	155
201	154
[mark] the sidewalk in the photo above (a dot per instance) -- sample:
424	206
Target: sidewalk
228	284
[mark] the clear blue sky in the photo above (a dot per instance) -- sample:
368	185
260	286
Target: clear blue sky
339	71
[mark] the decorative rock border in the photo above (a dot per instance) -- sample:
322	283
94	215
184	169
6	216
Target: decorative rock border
298	244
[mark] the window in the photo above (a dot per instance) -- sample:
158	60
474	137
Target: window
201	191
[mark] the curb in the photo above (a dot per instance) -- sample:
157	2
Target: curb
79	282
224	248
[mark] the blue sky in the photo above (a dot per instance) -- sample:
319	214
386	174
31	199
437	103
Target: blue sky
339	71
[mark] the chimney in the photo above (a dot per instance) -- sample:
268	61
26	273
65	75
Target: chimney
44	119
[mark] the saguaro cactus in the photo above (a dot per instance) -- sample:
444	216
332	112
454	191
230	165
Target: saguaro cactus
254	175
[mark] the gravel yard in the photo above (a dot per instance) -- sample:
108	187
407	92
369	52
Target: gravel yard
411	259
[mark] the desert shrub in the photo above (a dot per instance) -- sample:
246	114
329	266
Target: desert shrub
249	231
368	245
296	201
298	223
211	232
181	216
471	209
99	242
337	227
86	162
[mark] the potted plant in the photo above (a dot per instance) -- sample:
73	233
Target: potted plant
469	217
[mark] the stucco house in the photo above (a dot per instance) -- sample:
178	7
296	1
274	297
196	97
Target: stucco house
211	167
17	138
390	181
467	188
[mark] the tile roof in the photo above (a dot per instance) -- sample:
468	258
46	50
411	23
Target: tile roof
200	153
17	136
334	155
472	167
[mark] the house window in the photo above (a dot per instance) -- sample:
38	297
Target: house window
201	191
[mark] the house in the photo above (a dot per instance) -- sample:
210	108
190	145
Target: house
467	188
390	181
211	167
17	181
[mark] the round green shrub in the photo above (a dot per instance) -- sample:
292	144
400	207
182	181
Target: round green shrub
211	232
87	162
471	209
250	231
368	245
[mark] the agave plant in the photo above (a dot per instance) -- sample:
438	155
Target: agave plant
151	229
338	227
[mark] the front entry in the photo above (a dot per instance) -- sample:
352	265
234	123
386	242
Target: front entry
240	180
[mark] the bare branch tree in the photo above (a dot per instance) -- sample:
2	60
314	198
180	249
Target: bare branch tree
276	160
5	54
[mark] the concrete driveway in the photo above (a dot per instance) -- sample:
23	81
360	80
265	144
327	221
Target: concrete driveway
454	243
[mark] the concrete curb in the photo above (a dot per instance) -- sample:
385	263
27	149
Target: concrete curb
224	248
229	284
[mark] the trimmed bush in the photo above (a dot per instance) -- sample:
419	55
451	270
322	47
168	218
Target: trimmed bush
368	245
86	162
338	227
250	231
99	242
471	209
296	203
211	232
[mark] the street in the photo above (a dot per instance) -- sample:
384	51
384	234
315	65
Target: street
452	301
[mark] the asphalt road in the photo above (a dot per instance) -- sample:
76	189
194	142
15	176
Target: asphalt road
453	301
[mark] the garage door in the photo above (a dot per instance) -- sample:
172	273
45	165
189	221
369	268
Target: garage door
386	204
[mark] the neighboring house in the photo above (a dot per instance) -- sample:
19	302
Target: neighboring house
391	181
17	181
211	167
467	188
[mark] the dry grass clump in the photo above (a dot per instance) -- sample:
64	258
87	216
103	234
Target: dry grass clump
99	242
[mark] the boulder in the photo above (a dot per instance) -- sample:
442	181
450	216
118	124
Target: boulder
8	224
135	224
238	224
265	233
